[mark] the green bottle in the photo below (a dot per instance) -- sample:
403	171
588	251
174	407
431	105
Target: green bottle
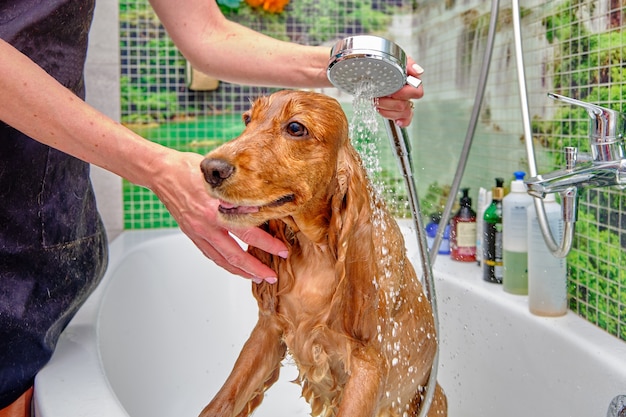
492	236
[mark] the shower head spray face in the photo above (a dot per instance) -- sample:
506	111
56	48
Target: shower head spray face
369	63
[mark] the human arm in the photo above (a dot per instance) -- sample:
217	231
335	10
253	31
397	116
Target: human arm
37	105
231	52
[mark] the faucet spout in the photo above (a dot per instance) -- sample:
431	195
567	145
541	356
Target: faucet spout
606	129
588	174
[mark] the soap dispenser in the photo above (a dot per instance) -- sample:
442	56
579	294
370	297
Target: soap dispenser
492	235
463	231
514	237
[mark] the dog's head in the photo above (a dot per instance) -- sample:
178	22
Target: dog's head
284	162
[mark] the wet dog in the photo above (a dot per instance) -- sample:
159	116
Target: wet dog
348	306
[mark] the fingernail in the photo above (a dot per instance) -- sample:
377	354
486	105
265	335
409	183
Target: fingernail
257	280
283	254
271	280
399	123
418	69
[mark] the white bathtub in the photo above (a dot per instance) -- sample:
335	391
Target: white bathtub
162	332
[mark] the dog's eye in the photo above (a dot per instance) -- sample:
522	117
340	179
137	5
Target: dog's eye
246	118
296	129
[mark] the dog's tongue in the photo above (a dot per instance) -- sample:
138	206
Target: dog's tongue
226	207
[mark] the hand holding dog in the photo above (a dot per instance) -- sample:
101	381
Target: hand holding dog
181	188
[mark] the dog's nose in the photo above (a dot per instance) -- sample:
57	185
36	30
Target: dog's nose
216	171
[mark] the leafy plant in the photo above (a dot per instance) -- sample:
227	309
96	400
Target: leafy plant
321	17
141	106
269	23
595	264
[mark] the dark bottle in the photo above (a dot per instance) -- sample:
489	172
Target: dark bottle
463	231
492	236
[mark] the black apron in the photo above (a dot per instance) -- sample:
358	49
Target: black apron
53	248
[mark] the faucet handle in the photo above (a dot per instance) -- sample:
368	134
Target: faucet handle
606	129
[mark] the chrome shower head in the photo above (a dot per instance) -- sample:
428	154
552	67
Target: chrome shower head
370	62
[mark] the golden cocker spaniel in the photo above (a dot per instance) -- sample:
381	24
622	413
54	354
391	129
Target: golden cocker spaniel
348	306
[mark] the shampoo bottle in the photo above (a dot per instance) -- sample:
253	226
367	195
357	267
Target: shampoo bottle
492	236
547	275
515	237
463	231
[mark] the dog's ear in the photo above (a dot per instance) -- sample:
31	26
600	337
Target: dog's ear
351	238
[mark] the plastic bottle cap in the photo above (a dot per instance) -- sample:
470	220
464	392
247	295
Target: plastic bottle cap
465	201
497	193
517	186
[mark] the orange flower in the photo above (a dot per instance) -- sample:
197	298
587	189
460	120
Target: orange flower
275	6
271	6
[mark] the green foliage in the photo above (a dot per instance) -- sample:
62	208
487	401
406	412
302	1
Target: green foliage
587	59
434	200
597	265
154	59
321	17
597	253
140	106
137	11
271	24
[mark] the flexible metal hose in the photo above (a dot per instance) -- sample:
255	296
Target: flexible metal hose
559	250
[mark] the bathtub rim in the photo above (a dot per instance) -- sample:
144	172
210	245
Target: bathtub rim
570	326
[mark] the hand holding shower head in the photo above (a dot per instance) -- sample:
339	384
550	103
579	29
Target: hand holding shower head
369	62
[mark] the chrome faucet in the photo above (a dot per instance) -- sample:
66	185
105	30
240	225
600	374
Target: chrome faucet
578	175
604	166
617	408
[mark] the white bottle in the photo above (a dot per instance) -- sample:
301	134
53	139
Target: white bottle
515	237
547	275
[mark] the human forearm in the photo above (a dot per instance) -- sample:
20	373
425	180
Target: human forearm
234	53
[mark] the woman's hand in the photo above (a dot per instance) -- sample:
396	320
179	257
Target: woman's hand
181	188
398	106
